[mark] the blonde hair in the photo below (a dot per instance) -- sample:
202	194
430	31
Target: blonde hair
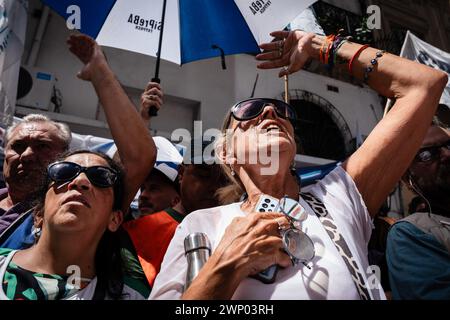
233	191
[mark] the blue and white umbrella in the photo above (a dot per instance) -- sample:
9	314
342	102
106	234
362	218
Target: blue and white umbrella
193	29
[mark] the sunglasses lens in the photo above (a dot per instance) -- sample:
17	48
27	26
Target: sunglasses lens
292	209
425	155
63	171
298	245
101	176
248	110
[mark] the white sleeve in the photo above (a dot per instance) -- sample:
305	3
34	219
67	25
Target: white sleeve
344	202
169	282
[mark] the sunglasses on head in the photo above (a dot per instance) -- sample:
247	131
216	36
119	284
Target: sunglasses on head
431	153
251	108
65	171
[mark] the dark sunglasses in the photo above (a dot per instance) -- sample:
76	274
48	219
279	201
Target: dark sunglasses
431	153
251	108
99	176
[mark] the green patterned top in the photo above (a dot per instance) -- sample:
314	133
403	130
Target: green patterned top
22	284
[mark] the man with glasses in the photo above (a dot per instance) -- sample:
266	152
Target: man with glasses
418	247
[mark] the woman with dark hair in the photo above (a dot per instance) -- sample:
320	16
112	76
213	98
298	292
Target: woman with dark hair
82	205
288	242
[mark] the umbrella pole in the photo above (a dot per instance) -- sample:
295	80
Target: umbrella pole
153	112
286	89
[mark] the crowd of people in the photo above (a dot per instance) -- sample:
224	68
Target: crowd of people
66	231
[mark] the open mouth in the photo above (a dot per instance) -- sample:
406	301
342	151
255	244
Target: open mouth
272	128
79	199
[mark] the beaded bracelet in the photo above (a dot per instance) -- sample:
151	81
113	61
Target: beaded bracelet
373	63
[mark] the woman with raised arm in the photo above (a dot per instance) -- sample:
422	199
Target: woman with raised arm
319	245
86	194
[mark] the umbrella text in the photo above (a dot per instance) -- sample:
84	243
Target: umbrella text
144	24
259	6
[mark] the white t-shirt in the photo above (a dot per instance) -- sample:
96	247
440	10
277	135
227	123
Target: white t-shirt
328	277
86	293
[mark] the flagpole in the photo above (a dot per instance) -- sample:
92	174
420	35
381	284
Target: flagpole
286	89
153	112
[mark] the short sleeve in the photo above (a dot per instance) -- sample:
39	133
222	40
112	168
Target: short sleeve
419	266
344	202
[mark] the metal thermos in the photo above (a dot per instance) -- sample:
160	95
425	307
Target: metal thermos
197	250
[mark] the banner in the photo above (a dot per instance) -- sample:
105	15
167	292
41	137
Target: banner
13	24
424	53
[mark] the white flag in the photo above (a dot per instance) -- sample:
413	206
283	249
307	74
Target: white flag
422	52
13	24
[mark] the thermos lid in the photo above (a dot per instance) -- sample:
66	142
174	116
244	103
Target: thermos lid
195	241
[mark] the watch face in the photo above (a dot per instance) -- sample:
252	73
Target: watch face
293	209
298	245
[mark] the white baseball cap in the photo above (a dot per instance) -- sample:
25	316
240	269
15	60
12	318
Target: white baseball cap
168	156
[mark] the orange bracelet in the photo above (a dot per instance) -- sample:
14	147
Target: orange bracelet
326	46
330	44
321	57
350	64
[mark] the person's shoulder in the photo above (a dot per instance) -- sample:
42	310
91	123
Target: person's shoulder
213	211
210	216
404	228
339	184
404	234
5	251
337	176
3	193
135	289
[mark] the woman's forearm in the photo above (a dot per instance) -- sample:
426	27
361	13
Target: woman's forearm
392	76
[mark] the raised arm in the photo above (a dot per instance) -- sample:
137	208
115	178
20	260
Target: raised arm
136	148
385	155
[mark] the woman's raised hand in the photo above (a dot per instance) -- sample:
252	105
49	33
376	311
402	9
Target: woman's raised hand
292	51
